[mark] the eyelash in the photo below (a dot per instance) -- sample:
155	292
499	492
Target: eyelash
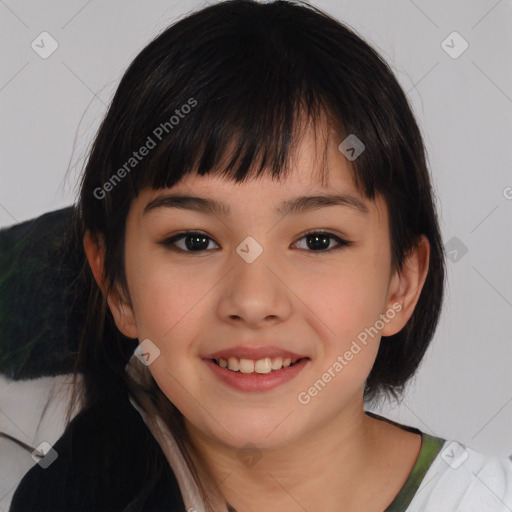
170	242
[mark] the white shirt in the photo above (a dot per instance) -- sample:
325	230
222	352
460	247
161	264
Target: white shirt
463	480
458	479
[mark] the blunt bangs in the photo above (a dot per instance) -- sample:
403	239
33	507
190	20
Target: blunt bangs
231	89
256	84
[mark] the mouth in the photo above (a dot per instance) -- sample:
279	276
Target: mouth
256	375
259	366
256	366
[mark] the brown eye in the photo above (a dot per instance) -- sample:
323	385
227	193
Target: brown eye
196	242
190	241
320	241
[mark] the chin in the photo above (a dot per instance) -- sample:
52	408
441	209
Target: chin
253	433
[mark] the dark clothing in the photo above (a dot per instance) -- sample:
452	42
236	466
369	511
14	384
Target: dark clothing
95	471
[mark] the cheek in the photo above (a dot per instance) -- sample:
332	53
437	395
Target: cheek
344	305
165	298
170	307
345	312
348	297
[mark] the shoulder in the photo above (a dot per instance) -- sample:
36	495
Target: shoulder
105	460
462	479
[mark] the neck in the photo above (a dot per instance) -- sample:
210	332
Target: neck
324	466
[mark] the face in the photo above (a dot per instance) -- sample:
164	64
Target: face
247	285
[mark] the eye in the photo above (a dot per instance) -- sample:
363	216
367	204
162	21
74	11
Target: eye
194	241
320	241
191	241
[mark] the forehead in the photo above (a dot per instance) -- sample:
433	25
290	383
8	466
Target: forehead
315	165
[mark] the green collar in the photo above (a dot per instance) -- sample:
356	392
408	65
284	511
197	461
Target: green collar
430	447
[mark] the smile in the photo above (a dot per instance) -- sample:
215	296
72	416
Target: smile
265	365
256	375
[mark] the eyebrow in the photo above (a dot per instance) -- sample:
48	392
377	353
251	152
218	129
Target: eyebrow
293	206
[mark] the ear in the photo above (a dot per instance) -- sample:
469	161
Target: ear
405	287
119	305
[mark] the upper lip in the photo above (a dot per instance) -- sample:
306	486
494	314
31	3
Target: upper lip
253	352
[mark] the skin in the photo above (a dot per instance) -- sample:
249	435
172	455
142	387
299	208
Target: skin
326	455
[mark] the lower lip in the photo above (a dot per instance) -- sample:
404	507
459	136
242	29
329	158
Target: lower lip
256	381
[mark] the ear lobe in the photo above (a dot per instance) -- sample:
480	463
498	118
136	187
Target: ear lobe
123	314
94	250
119	306
406	285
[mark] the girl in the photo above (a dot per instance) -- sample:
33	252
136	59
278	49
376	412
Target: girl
263	255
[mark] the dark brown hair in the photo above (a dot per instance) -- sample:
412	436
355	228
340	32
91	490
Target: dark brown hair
252	74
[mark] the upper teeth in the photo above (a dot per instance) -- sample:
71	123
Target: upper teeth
265	365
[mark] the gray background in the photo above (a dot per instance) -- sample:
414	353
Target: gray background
50	109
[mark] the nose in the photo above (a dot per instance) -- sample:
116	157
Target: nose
255	293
